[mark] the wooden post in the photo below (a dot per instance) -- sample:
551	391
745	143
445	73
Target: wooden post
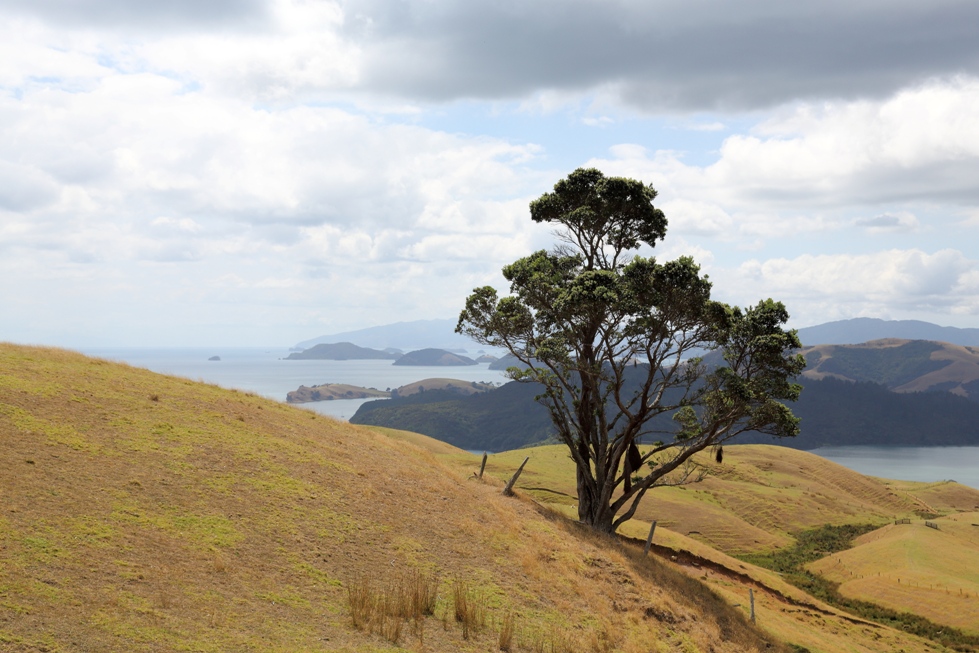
508	490
483	466
649	540
751	595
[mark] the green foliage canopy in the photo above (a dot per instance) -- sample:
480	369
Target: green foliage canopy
580	316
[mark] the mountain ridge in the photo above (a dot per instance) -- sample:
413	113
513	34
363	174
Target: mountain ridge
864	329
416	334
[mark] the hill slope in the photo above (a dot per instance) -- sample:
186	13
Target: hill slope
758	498
149	513
762	497
910	567
900	365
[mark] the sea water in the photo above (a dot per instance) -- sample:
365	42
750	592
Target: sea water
927	464
265	371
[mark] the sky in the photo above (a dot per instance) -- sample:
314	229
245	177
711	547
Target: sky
260	172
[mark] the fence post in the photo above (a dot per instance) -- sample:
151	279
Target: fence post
508	490
649	540
751	595
483	466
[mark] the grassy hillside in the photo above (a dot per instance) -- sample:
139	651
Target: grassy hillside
762	496
150	513
911	567
757	498
901	365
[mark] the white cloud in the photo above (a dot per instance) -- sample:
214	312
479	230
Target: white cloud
820	288
821	169
178	224
599	121
274	163
705	126
152	194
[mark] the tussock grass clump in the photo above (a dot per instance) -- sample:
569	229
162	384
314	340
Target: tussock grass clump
383	606
553	641
507	626
470	608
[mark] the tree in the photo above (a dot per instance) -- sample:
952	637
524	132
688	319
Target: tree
612	337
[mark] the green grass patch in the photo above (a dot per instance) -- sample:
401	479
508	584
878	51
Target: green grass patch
32	387
206	532
55	433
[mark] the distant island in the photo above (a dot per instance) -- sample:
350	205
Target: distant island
339	391
450	387
438	357
342	351
509	360
214	358
333	391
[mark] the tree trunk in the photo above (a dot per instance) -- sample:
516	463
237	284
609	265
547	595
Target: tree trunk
591	509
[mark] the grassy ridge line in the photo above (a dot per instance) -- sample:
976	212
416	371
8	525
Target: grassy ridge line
755	501
143	512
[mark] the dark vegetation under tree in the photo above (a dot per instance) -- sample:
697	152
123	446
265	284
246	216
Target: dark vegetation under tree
581	316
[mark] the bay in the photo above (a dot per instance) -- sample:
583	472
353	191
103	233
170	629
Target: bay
265	372
926	464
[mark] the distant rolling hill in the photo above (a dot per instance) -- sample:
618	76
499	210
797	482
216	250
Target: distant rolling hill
864	329
900	365
504	418
451	386
440	333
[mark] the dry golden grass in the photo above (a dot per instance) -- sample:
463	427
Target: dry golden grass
754	501
147	513
751	503
913	568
